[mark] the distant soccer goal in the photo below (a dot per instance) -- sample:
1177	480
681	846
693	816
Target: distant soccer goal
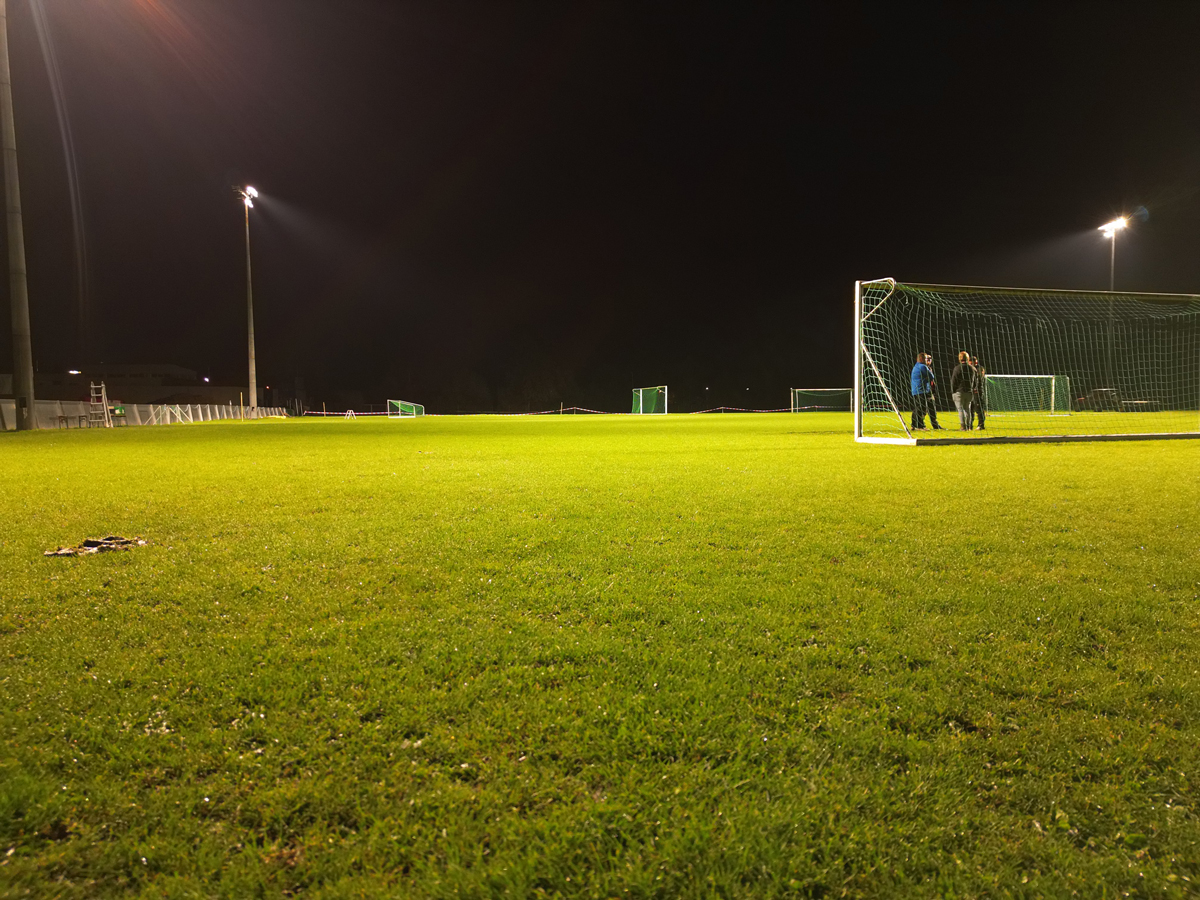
1068	365
1026	393
402	409
650	400
822	399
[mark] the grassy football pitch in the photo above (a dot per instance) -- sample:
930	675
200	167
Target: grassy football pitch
1002	424
686	656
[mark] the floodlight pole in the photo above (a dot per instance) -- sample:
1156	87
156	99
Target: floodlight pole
246	194
1110	231
250	325
17	282
1112	269
1112	261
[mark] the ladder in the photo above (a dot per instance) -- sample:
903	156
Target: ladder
98	416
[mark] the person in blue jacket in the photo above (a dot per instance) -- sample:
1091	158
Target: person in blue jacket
922	393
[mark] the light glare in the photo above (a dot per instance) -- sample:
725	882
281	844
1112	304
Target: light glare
253	193
1111	228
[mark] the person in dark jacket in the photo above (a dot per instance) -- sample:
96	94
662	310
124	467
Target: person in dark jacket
933	422
962	386
979	399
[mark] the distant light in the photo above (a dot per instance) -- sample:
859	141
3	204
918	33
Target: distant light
206	379
1111	228
74	372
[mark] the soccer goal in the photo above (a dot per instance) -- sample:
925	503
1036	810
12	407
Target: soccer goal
1051	365
1026	393
402	409
822	399
650	400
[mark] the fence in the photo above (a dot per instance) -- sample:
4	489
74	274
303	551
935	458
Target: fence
74	413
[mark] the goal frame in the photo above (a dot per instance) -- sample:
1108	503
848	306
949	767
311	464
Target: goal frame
404	409
1053	379
839	391
863	362
640	394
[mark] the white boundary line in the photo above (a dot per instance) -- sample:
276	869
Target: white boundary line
1030	439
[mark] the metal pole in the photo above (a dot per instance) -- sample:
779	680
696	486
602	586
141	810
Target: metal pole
858	372
250	324
18	285
1112	268
1112	262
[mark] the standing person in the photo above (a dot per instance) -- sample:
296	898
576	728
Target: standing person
932	394
979	398
922	392
962	386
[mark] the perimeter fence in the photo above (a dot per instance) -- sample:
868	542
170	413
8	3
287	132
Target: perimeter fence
564	410
74	413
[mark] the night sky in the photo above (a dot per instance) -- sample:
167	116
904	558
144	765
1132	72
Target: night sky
505	206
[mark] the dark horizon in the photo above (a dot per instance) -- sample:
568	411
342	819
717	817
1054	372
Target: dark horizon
508	206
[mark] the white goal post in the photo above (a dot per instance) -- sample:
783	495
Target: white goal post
1069	365
403	409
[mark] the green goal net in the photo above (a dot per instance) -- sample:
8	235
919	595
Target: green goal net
1044	364
1026	393
650	400
822	399
402	409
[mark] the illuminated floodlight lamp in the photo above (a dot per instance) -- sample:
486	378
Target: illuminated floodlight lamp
247	194
1110	230
74	372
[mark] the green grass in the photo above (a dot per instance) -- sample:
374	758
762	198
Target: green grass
690	656
1014	423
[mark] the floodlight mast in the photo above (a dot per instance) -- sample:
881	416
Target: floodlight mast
248	194
17	282
1110	229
